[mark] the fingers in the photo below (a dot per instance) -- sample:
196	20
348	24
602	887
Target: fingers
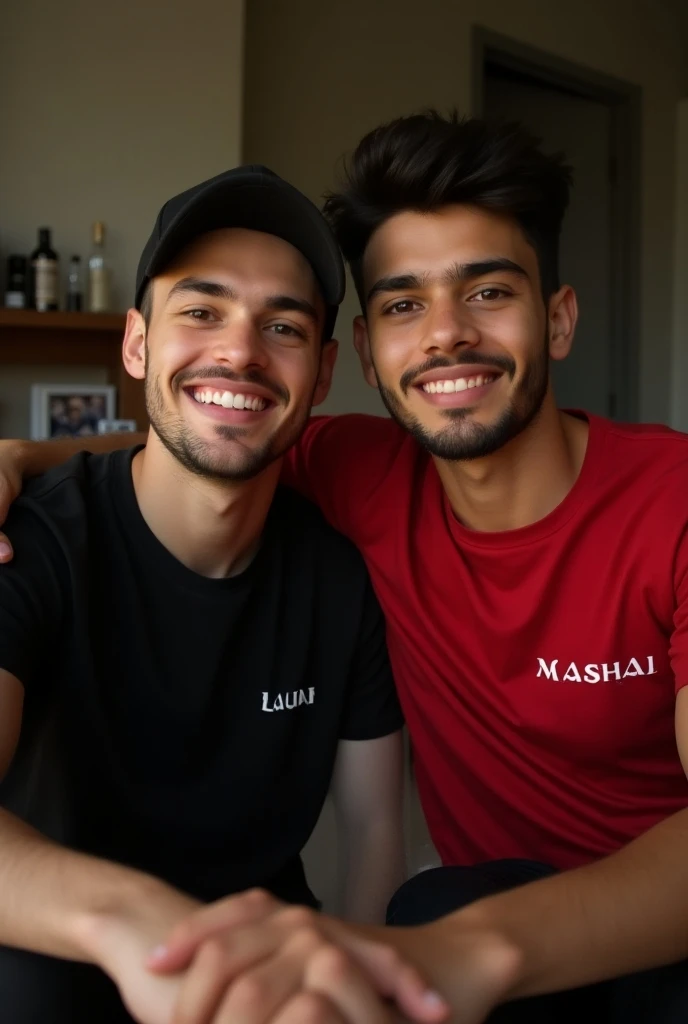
395	977
217	964
232	960
213	993
258	995
237	911
331	973
308	976
6	552
310	1008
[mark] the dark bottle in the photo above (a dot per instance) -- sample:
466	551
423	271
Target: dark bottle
44	274
75	290
15	295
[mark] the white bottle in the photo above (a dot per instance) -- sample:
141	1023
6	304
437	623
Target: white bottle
98	273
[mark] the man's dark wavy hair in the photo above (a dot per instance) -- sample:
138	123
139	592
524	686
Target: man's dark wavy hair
426	161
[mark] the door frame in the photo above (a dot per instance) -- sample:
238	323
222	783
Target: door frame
624	101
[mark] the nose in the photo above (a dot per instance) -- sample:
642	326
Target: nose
449	326
240	345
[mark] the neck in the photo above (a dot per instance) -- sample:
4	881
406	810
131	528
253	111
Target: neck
213	527
522	482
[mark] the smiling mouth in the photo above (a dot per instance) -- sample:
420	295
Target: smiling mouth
448	387
229	399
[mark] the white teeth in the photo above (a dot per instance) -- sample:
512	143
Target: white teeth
228	400
447	387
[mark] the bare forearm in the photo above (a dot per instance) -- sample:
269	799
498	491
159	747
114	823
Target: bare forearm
36	457
625	913
374	868
49	895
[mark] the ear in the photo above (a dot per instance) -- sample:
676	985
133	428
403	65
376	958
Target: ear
328	357
134	345
362	345
562	319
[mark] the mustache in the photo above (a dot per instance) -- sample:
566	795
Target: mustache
502	363
251	377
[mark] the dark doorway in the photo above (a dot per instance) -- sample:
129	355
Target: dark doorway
594	120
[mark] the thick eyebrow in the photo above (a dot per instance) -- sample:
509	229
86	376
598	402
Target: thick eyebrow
278	303
398	283
480	268
284	303
197	284
457	272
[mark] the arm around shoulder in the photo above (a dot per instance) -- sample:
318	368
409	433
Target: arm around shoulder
21	459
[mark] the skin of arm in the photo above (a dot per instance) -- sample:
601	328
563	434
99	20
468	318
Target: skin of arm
66	904
367	791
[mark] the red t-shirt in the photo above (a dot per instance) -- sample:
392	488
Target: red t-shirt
537	668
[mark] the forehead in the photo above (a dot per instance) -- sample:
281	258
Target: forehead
251	261
429	242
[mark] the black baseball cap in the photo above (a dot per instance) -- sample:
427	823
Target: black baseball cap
247	197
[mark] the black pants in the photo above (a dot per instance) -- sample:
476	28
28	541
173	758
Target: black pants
41	990
652	997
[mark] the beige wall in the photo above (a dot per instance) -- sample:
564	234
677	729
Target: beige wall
109	109
319	74
680	376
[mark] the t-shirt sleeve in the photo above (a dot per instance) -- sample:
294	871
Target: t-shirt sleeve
30	596
678	648
372	707
339	464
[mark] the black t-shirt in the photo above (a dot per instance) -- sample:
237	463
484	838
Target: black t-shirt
183	725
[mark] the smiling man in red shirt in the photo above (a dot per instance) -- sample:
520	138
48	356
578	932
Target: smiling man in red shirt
533	569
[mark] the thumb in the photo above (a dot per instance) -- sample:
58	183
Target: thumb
178	950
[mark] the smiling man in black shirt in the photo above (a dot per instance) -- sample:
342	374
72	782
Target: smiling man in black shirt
188	653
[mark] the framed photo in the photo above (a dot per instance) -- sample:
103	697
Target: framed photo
70	410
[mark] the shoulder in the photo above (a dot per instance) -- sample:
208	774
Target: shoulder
61	495
303	522
350	457
75	474
650	452
357	440
314	542
642	478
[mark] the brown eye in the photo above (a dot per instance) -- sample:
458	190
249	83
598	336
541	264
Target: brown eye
286	331
403	306
199	314
489	294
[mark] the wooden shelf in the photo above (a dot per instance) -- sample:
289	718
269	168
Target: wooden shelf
23	318
73	339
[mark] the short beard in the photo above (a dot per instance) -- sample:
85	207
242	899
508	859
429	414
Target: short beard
201	458
461	440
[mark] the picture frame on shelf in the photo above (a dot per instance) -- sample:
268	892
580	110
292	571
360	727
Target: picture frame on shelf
70	410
